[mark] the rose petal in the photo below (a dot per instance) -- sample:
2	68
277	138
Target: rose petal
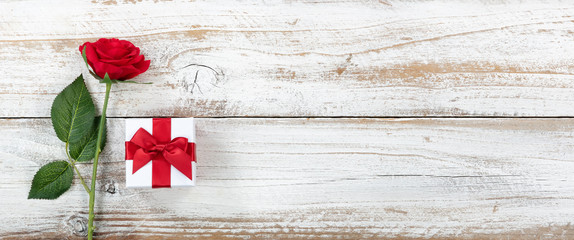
128	72
112	48
118	62
141	67
116	52
136	59
91	55
134	52
103	53
114	72
120	59
126	44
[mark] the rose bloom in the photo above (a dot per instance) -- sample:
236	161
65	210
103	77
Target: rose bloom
119	58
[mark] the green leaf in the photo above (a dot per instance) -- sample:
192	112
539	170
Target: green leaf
85	149
107	79
73	112
96	76
51	181
88	66
85	58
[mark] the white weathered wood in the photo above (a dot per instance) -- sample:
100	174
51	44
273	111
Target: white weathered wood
316	178
308	178
341	58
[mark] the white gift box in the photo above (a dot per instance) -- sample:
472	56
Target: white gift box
147	176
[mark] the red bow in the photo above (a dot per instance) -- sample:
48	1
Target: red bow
162	151
174	152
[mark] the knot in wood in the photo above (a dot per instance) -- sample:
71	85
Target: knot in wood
110	187
78	225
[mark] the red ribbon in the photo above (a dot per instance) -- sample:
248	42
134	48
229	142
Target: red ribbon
162	151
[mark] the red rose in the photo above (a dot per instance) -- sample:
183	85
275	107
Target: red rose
119	58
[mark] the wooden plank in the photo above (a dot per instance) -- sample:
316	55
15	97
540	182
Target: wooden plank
316	178
340	58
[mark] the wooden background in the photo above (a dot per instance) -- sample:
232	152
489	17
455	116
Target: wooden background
334	120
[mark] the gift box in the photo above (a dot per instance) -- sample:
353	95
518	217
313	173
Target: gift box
160	152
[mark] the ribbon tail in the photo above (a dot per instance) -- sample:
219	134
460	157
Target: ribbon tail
141	158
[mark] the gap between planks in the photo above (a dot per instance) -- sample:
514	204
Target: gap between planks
327	117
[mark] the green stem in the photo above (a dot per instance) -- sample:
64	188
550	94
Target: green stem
81	178
95	168
73	163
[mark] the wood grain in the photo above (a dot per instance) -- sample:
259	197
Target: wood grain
300	58
315	178
293	177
